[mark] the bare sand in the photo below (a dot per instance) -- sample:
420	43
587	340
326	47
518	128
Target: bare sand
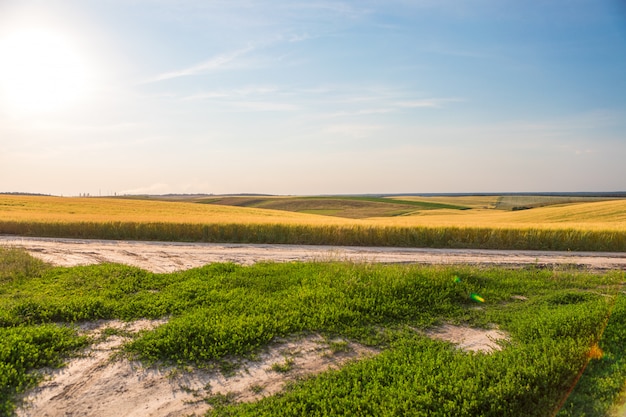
171	256
102	383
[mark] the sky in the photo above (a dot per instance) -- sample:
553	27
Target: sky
312	97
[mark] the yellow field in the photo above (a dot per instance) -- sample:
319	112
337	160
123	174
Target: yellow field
597	226
72	210
604	215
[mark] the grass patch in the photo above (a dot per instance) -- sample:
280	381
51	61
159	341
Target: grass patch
225	310
347	207
23	349
283	367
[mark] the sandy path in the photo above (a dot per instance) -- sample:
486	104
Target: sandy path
172	256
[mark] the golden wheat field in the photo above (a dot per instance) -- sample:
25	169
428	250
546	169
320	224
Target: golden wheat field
601	215
74	209
590	226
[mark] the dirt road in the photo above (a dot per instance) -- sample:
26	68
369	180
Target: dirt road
172	256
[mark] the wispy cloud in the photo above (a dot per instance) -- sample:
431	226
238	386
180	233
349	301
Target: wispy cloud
235	93
264	105
434	103
211	64
362	112
250	98
335	8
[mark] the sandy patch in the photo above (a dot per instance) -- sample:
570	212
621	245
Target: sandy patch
469	339
100	383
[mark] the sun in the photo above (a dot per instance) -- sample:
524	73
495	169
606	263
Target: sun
41	71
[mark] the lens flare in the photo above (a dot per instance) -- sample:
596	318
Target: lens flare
477	298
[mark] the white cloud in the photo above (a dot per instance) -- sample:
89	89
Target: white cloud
264	105
214	63
362	112
254	97
236	93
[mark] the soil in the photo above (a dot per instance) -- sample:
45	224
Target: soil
103	383
470	339
171	256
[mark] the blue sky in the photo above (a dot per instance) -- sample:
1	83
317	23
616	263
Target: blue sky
312	97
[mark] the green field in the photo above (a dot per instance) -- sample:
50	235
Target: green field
347	207
509	201
361	207
558	322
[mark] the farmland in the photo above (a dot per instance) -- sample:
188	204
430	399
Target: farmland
563	353
577	226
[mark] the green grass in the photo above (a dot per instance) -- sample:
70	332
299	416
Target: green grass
595	392
24	348
354	207
222	310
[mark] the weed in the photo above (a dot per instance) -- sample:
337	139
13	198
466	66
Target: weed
220	400
284	367
339	346
257	388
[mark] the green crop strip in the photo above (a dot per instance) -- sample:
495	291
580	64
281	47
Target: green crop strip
425	205
554	318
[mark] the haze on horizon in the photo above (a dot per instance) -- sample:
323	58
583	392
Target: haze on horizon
312	97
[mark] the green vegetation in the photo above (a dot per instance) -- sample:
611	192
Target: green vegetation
555	320
364	206
24	348
339	206
595	393
512	201
520	202
284	367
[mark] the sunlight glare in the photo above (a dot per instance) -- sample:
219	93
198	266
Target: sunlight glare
41	71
